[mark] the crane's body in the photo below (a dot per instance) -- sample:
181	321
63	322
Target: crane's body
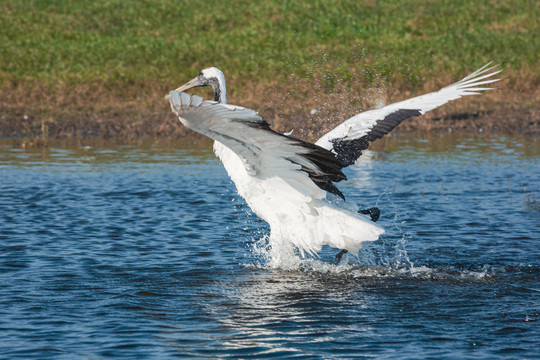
289	182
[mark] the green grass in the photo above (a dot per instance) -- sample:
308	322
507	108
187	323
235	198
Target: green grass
117	42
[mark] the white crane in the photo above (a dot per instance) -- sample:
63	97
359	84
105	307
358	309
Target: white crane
289	182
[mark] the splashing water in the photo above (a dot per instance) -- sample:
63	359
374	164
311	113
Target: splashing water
273	252
383	258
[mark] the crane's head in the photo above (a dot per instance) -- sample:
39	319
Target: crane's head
212	77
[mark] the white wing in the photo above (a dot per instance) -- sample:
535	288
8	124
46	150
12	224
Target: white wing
354	135
264	152
284	180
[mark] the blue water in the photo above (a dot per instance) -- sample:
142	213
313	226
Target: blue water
146	251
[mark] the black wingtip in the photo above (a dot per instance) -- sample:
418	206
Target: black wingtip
348	151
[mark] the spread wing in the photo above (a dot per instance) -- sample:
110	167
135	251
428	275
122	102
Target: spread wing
264	152
349	139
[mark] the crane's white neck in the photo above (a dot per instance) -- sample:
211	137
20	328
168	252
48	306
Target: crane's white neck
214	77
220	91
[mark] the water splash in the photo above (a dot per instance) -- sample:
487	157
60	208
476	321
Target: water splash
273	252
400	258
352	267
386	258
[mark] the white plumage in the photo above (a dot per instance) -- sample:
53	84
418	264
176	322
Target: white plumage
272	172
287	181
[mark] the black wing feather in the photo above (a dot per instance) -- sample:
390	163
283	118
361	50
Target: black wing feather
328	164
348	151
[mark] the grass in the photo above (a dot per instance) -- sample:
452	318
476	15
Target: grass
114	53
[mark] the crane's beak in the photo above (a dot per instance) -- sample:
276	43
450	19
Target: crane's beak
191	84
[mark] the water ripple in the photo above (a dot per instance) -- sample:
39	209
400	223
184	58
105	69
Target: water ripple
130	252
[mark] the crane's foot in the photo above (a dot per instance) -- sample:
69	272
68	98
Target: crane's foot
340	255
373	212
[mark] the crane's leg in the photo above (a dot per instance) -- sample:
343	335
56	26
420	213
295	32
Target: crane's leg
340	255
374	213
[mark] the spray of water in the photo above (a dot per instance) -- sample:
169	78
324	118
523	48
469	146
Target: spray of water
366	265
385	258
275	252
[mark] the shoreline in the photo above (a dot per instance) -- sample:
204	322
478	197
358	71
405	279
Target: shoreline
38	114
459	124
32	133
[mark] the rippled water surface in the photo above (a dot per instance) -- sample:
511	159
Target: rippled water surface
147	252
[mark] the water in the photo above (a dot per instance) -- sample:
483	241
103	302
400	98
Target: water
147	252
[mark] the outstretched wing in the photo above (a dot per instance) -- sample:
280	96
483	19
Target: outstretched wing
264	152
349	139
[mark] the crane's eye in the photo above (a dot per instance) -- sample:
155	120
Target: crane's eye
201	74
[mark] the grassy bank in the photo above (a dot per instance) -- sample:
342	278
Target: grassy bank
76	68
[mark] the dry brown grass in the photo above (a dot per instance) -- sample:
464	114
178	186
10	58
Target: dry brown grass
36	112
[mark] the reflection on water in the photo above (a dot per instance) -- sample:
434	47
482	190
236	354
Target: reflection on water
145	250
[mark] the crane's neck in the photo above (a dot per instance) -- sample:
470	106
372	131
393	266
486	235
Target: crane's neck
220	91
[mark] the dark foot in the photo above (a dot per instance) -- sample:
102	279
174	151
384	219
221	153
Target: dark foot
340	255
373	212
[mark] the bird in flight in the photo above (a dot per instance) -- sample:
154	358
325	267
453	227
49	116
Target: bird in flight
291	183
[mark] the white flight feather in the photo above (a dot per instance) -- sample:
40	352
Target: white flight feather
360	124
